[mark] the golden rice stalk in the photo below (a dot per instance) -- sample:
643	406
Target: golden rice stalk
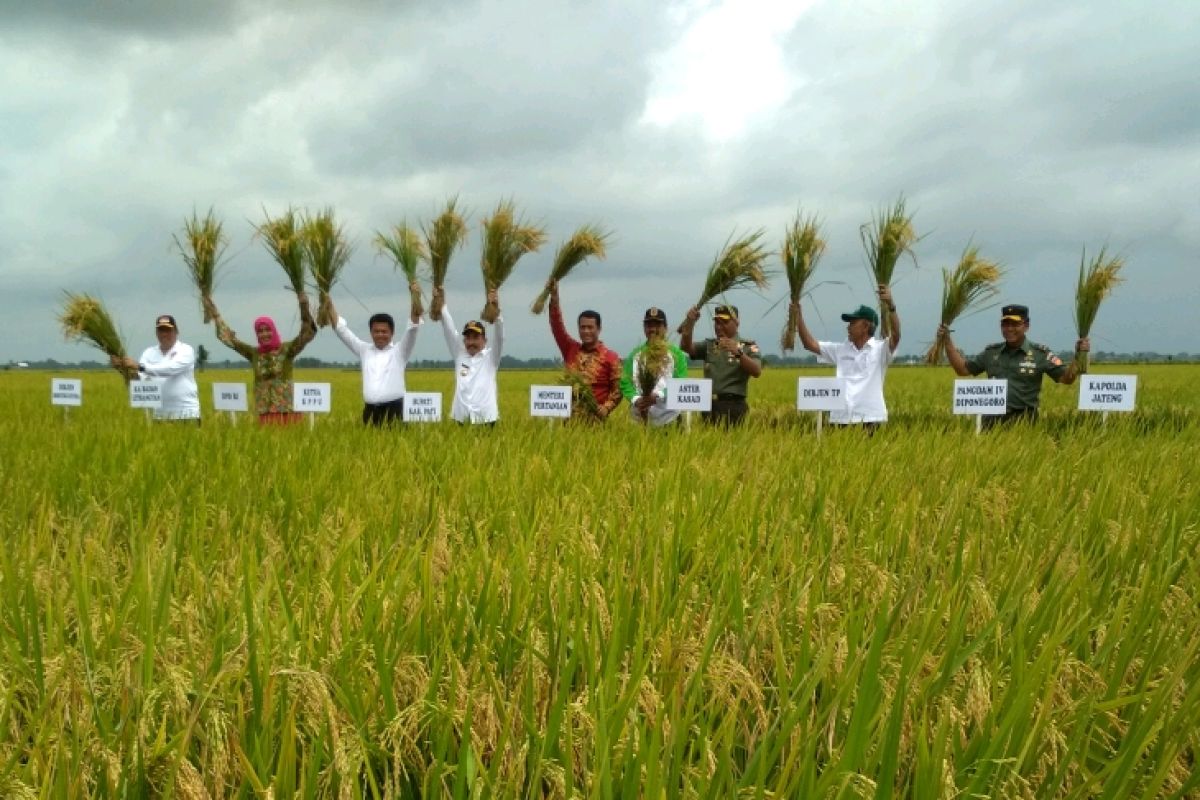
802	249
583	401
407	250
1097	279
651	361
587	242
972	283
83	317
506	238
202	246
326	250
443	235
886	238
283	237
741	262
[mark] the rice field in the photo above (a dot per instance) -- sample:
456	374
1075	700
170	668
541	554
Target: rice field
550	611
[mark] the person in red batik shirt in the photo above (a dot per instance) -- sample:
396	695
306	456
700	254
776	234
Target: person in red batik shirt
588	356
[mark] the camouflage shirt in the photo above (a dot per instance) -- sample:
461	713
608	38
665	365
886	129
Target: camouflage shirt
1022	367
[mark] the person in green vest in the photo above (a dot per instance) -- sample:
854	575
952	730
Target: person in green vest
729	361
652	409
1021	362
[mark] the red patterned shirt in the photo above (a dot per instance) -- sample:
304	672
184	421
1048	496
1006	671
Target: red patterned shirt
600	366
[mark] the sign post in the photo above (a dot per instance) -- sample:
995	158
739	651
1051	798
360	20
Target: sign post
230	398
66	392
1105	393
423	407
688	395
146	395
820	395
312	399
551	402
981	398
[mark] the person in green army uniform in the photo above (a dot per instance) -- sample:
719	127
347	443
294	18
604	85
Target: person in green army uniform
1018	360
729	362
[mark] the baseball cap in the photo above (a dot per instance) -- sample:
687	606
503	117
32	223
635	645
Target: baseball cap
725	312
862	312
474	326
654	314
165	321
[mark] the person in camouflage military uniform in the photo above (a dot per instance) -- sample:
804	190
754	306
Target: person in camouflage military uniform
729	362
1018	360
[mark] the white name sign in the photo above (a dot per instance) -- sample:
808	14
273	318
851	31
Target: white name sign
549	401
313	398
689	394
145	394
986	397
230	397
821	394
423	407
1107	392
66	392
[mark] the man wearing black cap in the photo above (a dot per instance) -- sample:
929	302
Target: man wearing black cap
729	362
652	408
1018	360
861	360
475	367
173	363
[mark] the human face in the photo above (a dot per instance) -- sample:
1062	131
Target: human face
166	338
589	332
654	330
726	328
858	330
263	333
381	334
473	342
1013	331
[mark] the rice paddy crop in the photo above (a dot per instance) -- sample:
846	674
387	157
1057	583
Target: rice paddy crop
548	610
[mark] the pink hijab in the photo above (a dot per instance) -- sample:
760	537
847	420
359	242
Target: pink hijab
275	342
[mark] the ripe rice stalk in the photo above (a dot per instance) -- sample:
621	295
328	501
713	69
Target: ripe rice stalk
443	235
407	250
968	288
587	242
284	239
506	238
84	318
582	398
886	238
1097	279
326	250
202	246
654	358
802	249
741	262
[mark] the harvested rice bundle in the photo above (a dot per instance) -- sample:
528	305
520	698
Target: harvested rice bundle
202	246
283	237
1096	282
506	238
587	242
968	288
327	251
407	250
443	236
802	249
740	263
886	238
84	318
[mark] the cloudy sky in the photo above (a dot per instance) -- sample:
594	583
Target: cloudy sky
1032	128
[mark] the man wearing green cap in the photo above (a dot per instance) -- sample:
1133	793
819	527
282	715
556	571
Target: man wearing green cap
1019	361
861	361
729	362
652	408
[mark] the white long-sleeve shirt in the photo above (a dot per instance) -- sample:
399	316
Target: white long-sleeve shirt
176	369
474	375
382	369
863	371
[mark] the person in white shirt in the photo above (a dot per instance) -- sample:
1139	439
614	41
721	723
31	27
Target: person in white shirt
861	360
383	364
173	364
475	366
